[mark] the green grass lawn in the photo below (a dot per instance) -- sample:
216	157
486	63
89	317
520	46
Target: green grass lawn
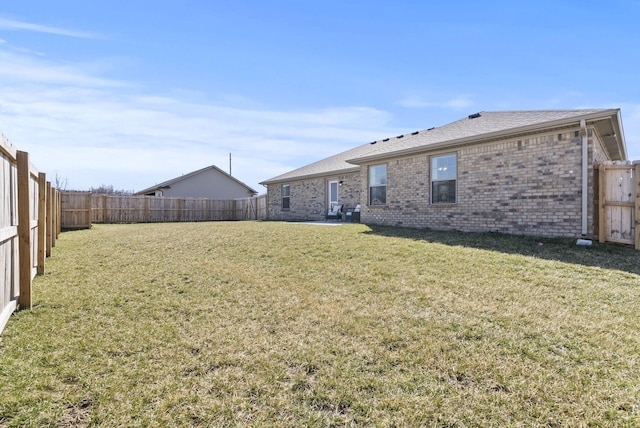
285	324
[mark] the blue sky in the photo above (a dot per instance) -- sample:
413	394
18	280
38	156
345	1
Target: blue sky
136	92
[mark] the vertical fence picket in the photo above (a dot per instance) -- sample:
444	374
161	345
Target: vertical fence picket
636	222
618	202
80	209
42	218
48	218
28	205
24	231
9	256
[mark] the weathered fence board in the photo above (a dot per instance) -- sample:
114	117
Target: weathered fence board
637	208
81	209
28	198
9	275
75	210
619	203
24	235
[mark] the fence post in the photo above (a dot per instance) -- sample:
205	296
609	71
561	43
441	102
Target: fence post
48	214
42	221
90	210
637	210
24	231
59	215
601	202
55	216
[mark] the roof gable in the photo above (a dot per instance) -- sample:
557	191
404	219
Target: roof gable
214	168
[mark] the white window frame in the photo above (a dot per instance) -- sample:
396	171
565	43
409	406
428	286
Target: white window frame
377	186
444	179
286	196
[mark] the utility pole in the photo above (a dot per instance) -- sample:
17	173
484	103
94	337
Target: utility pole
229	163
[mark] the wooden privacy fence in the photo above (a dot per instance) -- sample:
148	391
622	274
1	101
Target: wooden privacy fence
28	227
619	202
81	209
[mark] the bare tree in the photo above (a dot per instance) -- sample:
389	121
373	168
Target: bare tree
61	183
104	189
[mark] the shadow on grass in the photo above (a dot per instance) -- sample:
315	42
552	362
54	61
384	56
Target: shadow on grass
606	256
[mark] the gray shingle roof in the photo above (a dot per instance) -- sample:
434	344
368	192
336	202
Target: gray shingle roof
191	174
335	164
483	125
474	128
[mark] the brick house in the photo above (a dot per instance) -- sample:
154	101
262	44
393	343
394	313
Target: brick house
518	172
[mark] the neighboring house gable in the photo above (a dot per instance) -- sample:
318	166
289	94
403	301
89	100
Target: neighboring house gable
515	172
210	182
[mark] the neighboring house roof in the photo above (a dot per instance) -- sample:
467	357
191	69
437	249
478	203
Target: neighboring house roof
470	130
168	183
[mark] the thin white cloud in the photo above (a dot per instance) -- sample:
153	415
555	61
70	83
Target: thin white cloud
97	135
24	68
86	128
11	24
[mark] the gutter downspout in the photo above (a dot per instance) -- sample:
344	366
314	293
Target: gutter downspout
585	175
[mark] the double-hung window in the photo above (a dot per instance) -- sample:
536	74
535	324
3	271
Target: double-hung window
286	197
444	173
378	185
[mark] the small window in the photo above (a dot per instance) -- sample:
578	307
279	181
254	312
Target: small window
378	185
443	179
286	197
